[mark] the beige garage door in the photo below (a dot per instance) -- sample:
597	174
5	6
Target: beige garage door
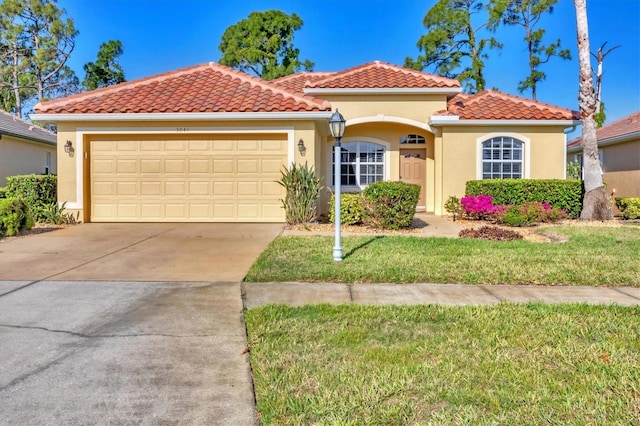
225	178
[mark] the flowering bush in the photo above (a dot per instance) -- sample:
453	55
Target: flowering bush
480	206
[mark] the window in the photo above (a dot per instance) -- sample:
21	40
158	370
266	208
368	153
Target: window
412	140
362	163
47	167
502	158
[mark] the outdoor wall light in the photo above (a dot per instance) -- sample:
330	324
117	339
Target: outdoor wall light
336	126
68	148
301	146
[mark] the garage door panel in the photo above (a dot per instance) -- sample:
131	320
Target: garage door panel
224	166
204	180
150	166
106	166
130	188
175	166
126	166
199	166
151	146
175	145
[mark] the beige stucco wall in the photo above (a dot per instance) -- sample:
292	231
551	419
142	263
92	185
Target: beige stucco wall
621	167
23	157
412	107
457	157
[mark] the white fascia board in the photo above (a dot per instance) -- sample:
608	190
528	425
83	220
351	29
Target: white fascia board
188	116
384	91
609	141
455	121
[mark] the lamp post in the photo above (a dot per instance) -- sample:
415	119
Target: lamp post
336	125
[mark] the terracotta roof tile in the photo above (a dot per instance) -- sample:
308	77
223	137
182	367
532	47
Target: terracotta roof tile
202	88
381	75
296	82
625	126
494	105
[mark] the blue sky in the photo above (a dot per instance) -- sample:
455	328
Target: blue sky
163	35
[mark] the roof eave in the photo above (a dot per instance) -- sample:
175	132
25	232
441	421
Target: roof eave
384	91
29	138
609	141
181	116
454	120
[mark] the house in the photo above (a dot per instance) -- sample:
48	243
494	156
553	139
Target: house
619	150
208	143
25	148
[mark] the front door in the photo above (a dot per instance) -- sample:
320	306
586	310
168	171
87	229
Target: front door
413	168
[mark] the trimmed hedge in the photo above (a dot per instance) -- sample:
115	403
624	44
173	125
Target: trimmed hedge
390	205
37	191
629	207
351	208
562	194
14	216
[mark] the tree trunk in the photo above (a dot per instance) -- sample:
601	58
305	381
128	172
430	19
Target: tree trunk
596	204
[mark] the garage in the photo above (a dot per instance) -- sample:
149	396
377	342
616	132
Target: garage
185	178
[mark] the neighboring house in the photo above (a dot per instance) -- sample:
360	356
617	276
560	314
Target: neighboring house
25	148
208	143
619	150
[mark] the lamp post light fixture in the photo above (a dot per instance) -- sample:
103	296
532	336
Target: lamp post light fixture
336	126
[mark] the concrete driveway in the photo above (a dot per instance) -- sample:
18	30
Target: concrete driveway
127	324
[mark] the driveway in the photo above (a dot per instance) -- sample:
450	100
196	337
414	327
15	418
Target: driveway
127	324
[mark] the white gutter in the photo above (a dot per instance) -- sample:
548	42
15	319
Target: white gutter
384	91
183	116
449	120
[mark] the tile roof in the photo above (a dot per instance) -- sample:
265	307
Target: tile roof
202	88
625	126
381	75
494	105
14	126
298	81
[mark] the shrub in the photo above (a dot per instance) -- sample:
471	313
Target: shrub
14	216
479	206
562	194
454	207
629	207
492	233
351	208
3	192
530	213
37	191
302	190
54	214
390	205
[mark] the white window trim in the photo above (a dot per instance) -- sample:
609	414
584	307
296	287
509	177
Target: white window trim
526	163
387	161
82	131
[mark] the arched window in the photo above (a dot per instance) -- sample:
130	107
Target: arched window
362	163
502	158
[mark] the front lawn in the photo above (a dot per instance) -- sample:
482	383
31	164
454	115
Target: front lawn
593	256
504	364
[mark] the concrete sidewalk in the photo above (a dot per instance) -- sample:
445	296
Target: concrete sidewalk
298	294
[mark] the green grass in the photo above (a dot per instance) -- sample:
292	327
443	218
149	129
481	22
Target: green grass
593	256
432	365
